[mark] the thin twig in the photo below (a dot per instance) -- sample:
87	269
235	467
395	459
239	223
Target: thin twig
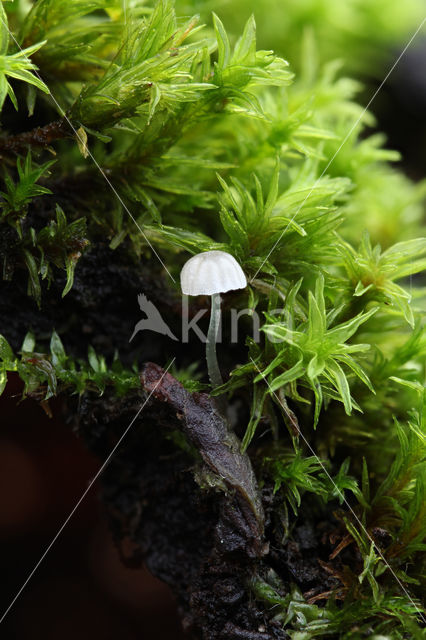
38	137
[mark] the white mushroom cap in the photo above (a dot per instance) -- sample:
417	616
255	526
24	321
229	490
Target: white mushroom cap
211	272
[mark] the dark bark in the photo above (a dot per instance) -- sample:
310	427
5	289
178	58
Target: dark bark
38	137
206	543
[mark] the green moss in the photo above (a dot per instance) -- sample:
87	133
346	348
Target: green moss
211	143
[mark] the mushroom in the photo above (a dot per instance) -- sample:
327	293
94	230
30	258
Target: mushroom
212	273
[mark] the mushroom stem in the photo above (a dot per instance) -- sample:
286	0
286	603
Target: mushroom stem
212	364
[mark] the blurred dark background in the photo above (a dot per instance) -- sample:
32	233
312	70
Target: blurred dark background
81	589
400	107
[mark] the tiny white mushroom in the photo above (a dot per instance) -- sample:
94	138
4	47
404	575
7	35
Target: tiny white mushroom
212	273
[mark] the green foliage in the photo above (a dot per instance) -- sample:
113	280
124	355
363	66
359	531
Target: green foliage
47	374
154	71
154	75
316	352
60	244
294	474
16	65
18	195
372	272
246	67
80	30
304	620
398	505
259	225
